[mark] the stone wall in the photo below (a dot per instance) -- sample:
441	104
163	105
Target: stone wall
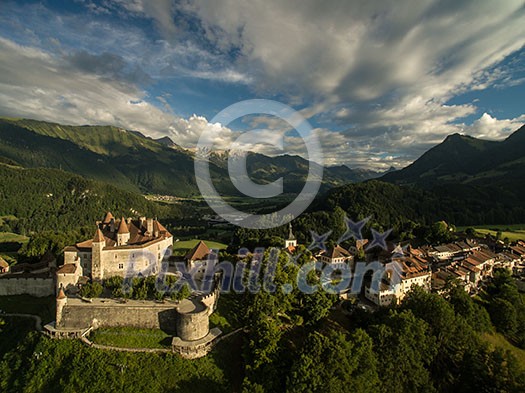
34	286
140	314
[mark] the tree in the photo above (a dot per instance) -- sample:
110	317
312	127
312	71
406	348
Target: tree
333	363
504	316
91	290
474	314
452	334
406	349
316	306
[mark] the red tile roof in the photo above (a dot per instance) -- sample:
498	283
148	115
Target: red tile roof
199	252
138	234
68	268
337	252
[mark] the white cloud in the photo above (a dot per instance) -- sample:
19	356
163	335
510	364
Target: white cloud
488	127
35	84
380	75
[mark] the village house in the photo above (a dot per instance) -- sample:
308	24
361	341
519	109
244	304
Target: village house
414	270
336	254
475	266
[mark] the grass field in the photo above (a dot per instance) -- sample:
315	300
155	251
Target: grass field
512	236
497	340
6	237
513	232
185	245
132	338
25	304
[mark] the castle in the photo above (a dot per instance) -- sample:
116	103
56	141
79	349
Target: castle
118	248
129	248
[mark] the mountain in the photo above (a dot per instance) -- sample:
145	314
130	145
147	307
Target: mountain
461	159
484	178
465	159
110	154
357	174
294	171
134	162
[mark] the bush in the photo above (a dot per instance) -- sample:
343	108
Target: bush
91	290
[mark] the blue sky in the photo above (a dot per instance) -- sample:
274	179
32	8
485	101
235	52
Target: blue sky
379	84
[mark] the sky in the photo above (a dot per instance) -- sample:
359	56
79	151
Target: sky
379	81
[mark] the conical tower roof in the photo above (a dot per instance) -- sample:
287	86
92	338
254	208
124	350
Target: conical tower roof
108	218
123	227
61	294
99	236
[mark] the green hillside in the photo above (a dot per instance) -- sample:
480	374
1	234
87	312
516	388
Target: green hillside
104	153
50	199
130	160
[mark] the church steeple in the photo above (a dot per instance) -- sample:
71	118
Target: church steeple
291	241
290	232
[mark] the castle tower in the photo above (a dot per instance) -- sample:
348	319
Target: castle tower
123	233
61	303
98	244
291	241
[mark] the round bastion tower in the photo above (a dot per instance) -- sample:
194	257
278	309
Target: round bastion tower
194	337
192	320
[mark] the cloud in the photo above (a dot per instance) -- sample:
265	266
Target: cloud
375	80
386	73
488	127
36	84
107	65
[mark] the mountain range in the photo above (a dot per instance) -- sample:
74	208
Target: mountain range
470	168
135	162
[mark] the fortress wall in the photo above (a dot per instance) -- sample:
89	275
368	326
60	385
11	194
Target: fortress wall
153	316
34	286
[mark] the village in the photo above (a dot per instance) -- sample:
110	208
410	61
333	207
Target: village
126	246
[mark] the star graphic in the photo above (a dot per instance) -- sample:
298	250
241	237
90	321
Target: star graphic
353	229
318	241
379	239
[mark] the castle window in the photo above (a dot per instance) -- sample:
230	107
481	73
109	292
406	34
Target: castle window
115	256
121	266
